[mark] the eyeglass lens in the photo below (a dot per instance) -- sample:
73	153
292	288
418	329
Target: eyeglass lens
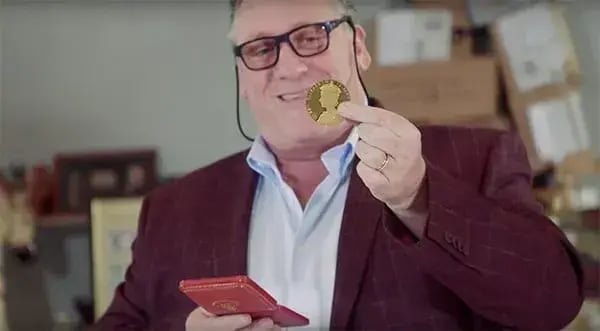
307	41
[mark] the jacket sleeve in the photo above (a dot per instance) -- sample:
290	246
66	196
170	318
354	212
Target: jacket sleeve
493	247
132	307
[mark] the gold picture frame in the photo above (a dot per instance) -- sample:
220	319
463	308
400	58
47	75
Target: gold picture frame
114	223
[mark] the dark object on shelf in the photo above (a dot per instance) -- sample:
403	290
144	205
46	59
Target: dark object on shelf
81	177
544	179
85	309
591	219
482	40
17	172
41	190
168	179
25	254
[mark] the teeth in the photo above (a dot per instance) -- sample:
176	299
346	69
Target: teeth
289	97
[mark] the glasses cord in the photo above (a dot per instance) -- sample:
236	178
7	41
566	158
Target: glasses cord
237	105
237	87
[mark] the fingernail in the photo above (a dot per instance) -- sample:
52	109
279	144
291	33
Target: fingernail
343	107
246	319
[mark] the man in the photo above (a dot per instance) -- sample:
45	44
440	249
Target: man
429	228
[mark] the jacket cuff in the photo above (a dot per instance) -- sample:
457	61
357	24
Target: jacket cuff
448	235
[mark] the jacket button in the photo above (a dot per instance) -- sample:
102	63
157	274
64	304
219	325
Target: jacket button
448	237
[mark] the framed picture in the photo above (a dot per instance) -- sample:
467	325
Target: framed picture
81	177
114	227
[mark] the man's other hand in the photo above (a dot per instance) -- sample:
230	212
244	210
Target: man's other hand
201	320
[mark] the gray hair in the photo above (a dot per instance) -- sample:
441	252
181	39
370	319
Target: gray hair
346	6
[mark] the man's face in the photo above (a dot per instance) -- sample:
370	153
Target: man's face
277	95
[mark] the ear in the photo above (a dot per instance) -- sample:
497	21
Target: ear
362	53
243	92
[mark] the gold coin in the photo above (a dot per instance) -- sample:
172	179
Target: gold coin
323	99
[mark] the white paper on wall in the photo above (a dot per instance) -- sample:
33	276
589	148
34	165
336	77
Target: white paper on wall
535	46
395	38
409	36
558	128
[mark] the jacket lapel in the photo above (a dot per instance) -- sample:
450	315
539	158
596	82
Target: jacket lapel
231	223
362	216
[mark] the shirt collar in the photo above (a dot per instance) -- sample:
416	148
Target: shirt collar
337	159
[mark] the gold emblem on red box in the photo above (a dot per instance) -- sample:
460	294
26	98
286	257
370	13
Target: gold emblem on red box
229	305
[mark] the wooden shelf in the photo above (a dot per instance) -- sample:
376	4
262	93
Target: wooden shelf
58	220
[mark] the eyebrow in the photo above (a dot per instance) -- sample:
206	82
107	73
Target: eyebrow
263	34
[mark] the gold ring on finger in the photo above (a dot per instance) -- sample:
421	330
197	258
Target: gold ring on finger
384	163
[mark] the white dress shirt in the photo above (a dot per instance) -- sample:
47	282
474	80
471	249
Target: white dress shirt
292	252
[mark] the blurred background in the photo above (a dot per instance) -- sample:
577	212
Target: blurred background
101	101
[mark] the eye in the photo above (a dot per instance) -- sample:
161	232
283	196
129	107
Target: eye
259	48
263	50
310	37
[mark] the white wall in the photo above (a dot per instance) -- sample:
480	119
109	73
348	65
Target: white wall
1	140
100	75
118	75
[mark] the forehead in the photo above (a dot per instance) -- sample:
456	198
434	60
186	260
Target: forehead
257	18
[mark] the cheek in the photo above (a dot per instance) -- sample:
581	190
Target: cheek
252	85
330	65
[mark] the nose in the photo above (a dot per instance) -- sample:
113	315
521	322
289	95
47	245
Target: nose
289	65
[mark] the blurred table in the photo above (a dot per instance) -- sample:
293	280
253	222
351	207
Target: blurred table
59	276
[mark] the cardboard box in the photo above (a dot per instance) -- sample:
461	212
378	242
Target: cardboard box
578	164
455	4
496	121
520	108
516	62
462	44
428	33
460	14
406	36
528	57
462	39
485	12
437	91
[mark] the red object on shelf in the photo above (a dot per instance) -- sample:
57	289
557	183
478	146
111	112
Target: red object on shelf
80	177
591	219
40	185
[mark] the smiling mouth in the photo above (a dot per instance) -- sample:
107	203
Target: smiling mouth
292	96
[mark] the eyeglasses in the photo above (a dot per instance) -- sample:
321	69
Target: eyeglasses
306	40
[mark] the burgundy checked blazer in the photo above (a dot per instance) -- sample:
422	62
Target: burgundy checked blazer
489	260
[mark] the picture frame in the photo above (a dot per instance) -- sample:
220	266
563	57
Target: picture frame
114	223
80	177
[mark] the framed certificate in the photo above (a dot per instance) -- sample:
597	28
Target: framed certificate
114	227
81	177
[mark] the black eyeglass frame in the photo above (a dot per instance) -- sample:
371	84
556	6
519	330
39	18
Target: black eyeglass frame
328	26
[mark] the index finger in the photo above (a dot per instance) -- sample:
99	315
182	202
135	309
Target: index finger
372	115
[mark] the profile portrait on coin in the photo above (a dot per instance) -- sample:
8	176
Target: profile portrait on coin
323	100
329	100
